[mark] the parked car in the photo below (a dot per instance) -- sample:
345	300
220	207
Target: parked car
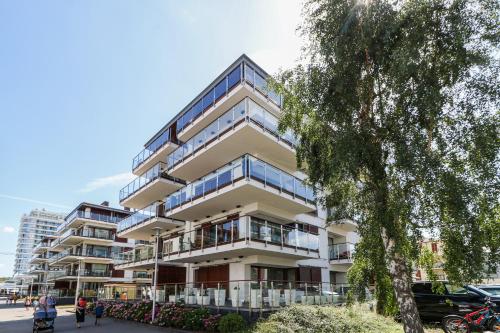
433	304
493	289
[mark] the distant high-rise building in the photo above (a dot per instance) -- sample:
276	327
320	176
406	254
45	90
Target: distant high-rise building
33	227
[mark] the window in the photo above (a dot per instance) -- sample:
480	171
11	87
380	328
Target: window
456	290
434	247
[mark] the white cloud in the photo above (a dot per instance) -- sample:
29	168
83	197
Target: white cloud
8	229
6	196
120	179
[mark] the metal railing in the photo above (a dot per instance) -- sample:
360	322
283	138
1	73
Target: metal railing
342	251
90	216
243	228
252	295
152	211
154	173
245	167
152	148
246	110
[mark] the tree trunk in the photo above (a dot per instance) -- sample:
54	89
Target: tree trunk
401	282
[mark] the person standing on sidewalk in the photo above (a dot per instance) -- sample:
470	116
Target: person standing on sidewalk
81	306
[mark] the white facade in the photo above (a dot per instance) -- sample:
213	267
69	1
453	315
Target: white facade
234	210
33	227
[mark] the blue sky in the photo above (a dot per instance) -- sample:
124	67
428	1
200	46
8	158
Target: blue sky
84	84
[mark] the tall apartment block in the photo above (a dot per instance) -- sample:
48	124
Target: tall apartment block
238	224
86	250
33	227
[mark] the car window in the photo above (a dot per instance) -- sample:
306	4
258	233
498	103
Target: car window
422	288
493	291
456	290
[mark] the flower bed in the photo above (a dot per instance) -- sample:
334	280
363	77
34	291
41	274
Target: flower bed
166	315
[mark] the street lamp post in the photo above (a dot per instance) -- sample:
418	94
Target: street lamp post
78	281
155	282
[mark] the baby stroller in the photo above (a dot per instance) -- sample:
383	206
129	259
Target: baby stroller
43	319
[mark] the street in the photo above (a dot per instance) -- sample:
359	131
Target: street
15	319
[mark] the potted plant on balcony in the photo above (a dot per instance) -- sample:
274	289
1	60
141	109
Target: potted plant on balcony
236	297
220	297
203	298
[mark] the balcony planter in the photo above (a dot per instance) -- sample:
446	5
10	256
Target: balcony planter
255	298
220	297
274	297
236	299
290	296
190	299
203	300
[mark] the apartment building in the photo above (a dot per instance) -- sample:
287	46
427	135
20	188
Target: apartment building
39	266
223	209
86	250
33	227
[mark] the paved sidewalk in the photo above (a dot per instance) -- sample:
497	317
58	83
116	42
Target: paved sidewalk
18	320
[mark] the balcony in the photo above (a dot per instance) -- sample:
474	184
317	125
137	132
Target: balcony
85	274
140	225
89	256
78	218
152	185
341	254
142	258
41	247
245	128
243	181
243	236
89	236
239	81
155	152
142	277
38	258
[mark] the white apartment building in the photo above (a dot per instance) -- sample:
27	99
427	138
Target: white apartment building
33	227
238	225
86	250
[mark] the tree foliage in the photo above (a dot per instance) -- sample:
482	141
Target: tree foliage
396	105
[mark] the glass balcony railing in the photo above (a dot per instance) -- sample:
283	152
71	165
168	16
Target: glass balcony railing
245	228
142	275
246	110
87	273
138	255
342	251
156	172
260	83
247	167
221	89
152	148
89	233
79	253
90	216
154	210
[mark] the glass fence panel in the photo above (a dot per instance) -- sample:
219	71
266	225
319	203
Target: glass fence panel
151	149
139	217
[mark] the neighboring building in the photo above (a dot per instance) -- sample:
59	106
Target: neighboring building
86	251
32	229
39	266
221	184
436	247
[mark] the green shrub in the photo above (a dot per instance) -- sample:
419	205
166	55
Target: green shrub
193	320
232	322
327	319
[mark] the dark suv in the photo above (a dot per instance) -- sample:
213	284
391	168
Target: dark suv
453	299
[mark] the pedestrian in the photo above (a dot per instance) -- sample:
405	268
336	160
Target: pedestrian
99	310
81	305
14	298
9	299
27	303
